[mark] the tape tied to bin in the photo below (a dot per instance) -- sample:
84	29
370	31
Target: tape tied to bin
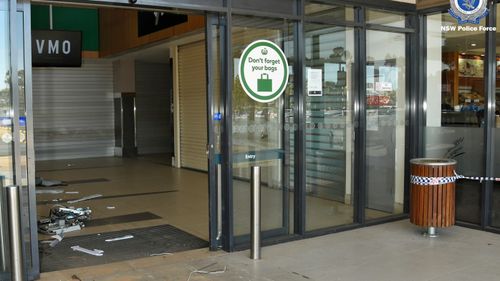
419	180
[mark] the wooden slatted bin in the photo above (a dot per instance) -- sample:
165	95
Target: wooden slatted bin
431	204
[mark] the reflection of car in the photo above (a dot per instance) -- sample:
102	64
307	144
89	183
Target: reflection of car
267	112
334	113
378	100
259	114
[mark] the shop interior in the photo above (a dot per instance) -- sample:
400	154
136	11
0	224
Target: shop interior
463	94
114	171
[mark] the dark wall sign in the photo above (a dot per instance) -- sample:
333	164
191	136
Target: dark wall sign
56	48
149	22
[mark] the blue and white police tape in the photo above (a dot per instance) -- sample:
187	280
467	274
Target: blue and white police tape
418	180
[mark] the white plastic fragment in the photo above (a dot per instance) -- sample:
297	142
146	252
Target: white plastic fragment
72	192
207	272
68	229
49	191
95	252
161	254
57	238
120	238
110	207
85	198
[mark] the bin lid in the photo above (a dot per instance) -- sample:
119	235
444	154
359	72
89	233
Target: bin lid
433	161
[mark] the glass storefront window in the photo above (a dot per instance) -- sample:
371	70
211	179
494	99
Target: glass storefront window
495	213
385	18
6	168
328	12
455	106
6	145
329	143
263	134
385	123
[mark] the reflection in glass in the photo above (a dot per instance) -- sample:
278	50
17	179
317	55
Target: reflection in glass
455	107
262	134
320	11
6	163
6	168
329	142
495	212
385	123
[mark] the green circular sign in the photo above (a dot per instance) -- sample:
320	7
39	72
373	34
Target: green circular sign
263	71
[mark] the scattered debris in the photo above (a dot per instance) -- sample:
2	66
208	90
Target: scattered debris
62	219
110	207
49	191
85	198
56	228
203	271
95	252
72	192
57	238
74	277
161	254
39	181
120	238
301	275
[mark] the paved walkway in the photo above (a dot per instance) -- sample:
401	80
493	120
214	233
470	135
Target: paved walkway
393	251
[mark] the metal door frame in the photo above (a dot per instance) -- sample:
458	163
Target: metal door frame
24	7
215	163
33	271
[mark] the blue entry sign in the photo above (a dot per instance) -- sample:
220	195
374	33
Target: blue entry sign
217	116
7	121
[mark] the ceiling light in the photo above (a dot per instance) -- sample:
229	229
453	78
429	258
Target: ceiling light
473	44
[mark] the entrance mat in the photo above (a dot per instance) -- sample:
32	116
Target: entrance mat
146	241
122	219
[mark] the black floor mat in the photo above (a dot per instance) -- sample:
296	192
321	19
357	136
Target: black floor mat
146	241
122	219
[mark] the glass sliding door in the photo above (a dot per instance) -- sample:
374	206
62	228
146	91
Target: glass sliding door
454	106
215	111
329	131
22	125
13	125
385	123
6	163
262	135
495	212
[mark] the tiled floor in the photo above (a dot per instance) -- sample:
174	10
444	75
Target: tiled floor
388	252
185	206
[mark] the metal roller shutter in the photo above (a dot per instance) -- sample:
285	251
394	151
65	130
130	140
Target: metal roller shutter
73	111
192	105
